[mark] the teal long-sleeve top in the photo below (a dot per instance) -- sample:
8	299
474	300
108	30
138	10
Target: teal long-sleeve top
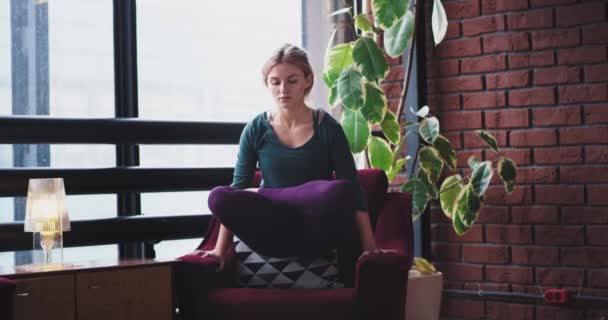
282	166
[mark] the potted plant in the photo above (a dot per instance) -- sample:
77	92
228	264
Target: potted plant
353	72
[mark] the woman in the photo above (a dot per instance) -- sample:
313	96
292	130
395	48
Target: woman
294	144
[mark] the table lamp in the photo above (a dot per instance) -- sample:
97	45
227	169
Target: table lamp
46	215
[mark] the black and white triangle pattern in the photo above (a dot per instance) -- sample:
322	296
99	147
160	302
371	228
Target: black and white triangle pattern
258	271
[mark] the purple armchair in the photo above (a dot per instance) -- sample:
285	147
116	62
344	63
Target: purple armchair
380	280
7	298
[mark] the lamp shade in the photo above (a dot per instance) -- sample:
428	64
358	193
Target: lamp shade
46	210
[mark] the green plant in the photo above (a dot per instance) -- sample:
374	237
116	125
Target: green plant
353	72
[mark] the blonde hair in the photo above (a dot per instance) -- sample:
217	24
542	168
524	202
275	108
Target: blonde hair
293	55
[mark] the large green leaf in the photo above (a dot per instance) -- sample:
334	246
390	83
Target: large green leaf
468	205
333	96
488	139
429	129
430	162
350	89
375	103
380	155
473	162
480	178
419	195
450	188
356	129
458	226
398	37
395	169
337	60
368	55
387	12
507	170
430	186
362	22
447	153
439	22
390	127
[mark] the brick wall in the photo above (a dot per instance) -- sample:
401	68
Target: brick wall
535	73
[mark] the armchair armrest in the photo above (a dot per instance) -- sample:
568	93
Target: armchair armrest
394	228
381	286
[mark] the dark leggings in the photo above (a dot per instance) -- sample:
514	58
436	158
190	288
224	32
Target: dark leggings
307	220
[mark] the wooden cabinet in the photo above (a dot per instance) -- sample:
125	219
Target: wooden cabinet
119	291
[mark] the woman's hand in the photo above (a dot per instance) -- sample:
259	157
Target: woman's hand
215	253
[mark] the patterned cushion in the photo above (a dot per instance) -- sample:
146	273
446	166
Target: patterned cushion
258	271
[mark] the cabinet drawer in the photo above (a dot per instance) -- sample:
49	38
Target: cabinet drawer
126	294
45	298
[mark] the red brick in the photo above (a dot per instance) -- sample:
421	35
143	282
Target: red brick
485	24
555	313
509	311
557	75
559	194
493	6
590	135
557	116
498	196
583	55
476	286
585	215
507	118
444	102
484	64
595	34
453	31
529	97
393	104
509	274
559	276
468	309
482	100
461	271
558	155
450	67
535	215
580	14
584	93
585	256
531	19
457	120
508	234
534	59
559	235
395	74
544	3
454	138
459	84
527	175
596	154
584	174
445	232
485	254
596	73
521	157
462	157
597	314
598	278
492	214
392	90
533	137
555	39
461	9
506	43
472	140
534	255
459	48
511	79
597	236
446	251
596	194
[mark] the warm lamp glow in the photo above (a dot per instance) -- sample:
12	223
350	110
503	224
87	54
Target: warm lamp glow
46	212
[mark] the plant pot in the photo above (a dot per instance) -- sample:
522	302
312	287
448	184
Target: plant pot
423	296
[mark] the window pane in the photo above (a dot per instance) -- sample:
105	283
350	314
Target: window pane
176	203
201	156
70	255
200	64
5	58
176	248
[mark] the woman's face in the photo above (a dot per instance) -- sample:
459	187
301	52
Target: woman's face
287	84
